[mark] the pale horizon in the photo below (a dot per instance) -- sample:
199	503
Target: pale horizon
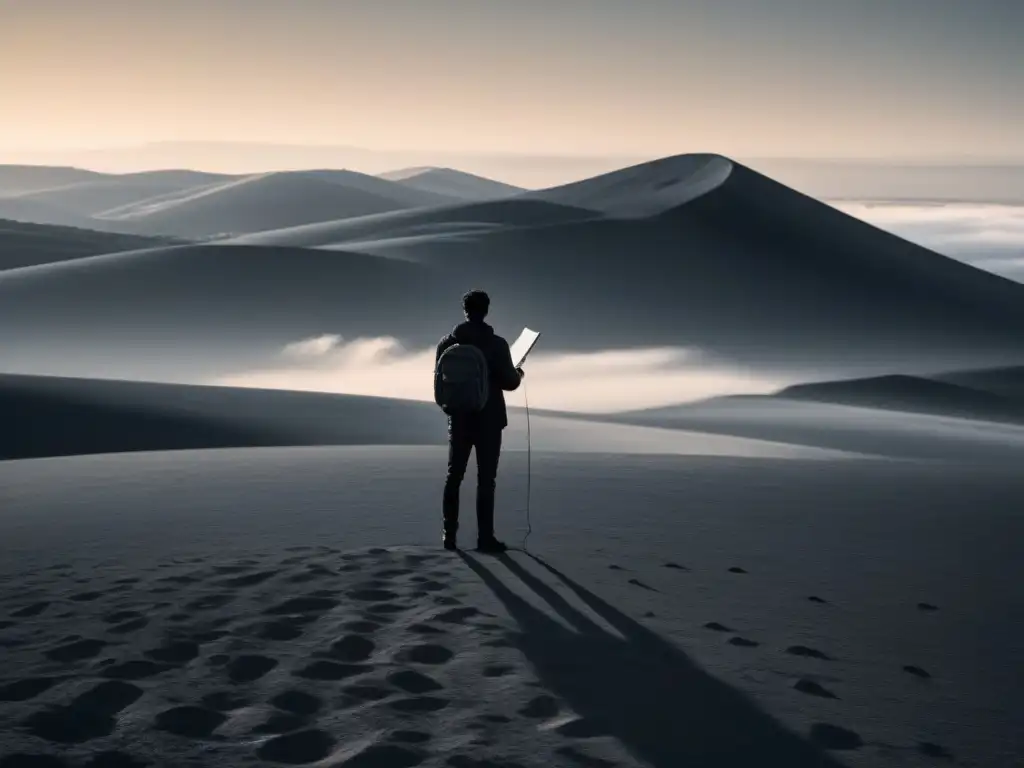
597	81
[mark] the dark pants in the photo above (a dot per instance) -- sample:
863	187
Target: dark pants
465	434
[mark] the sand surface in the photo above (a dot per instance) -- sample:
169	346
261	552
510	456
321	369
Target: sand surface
291	606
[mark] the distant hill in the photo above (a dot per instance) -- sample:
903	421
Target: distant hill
95	196
21	179
453	183
267	201
694	252
417	226
46	416
914	394
26	245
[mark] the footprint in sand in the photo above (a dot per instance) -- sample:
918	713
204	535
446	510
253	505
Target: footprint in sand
91	715
357	694
331	671
281	723
86	597
119	617
457	615
498	670
28	688
362	626
930	749
174	652
414	682
811	688
383	611
76	651
410	737
742	642
249	579
299	748
373	595
352	648
428	653
297	703
224	701
910	669
715	626
135	670
29	611
30	760
308	605
65	725
419	704
834	737
190	721
115	759
583	759
541	707
810	653
638	583
249	668
421	628
280	631
210	602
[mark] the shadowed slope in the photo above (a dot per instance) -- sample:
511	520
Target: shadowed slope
24	244
58	417
448	181
676	714
268	201
914	394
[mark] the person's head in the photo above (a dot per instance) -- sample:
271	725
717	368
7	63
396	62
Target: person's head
476	304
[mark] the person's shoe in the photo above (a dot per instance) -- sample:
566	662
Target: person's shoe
491	546
449	542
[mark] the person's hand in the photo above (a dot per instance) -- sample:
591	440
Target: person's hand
521	372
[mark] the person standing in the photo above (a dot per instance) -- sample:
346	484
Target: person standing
473	369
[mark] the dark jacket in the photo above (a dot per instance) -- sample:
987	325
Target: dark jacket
502	373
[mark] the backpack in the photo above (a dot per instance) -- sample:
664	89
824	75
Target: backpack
461	382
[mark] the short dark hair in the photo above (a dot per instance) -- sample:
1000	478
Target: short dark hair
476	304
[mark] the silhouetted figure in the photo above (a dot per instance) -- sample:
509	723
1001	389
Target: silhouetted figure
469	385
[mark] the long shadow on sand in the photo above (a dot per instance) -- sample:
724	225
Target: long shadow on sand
641	689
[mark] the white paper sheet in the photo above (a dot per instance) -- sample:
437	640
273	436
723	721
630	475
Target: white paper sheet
522	346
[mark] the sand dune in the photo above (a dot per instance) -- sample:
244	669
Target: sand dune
268	201
24	245
448	181
646	189
1006	382
839	427
723	261
421	225
65	416
916	394
96	196
22	179
53	416
30	210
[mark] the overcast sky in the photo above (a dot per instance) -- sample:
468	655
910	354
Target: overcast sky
828	78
